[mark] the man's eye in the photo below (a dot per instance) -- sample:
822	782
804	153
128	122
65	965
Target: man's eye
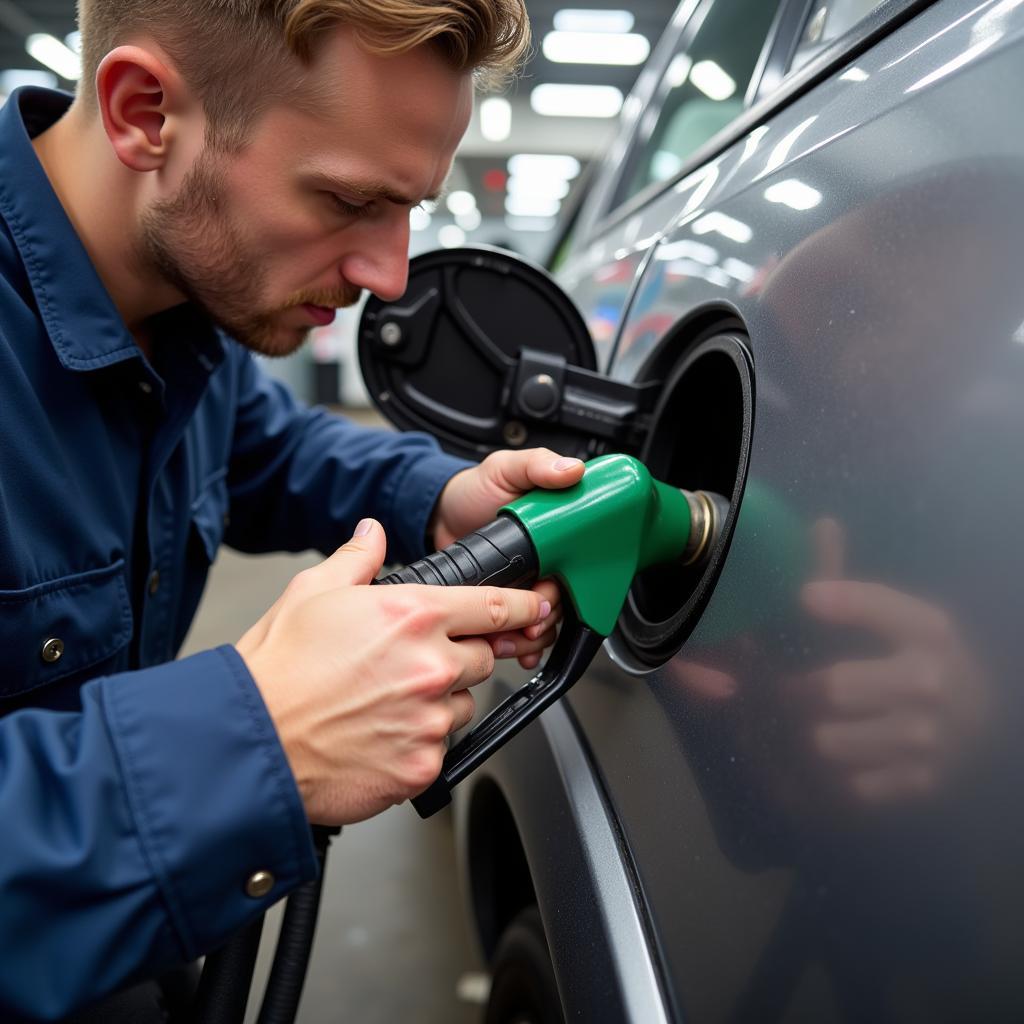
347	208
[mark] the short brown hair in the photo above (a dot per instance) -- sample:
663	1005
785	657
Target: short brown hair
238	54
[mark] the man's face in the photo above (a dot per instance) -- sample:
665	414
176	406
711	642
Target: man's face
315	208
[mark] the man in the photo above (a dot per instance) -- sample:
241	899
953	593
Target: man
228	174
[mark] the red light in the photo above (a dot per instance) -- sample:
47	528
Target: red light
494	180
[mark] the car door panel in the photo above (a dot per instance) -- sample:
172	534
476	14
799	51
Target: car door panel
803	855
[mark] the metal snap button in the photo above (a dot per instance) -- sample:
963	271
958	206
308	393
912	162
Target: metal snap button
259	884
145	387
52	649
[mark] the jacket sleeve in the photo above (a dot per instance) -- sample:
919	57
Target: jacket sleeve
302	478
132	826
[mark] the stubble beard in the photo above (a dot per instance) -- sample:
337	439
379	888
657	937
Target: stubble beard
191	242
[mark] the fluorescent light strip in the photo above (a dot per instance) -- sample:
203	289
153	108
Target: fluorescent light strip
552	165
531	206
576	19
546	187
554	100
626	50
49	50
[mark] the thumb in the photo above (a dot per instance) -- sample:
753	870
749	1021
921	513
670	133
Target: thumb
361	558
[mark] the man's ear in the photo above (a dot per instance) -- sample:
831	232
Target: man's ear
138	95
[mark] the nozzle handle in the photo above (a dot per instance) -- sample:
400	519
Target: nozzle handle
573	651
499	554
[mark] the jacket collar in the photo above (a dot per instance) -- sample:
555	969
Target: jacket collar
84	325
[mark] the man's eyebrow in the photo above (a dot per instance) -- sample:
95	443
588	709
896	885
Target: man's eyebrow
377	190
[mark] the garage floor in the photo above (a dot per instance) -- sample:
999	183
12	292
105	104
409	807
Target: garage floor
392	944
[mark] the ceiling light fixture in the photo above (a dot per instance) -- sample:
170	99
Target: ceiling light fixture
539	165
419	219
469	221
577	19
554	100
531	206
712	80
49	50
461	202
495	119
451	236
622	49
541	187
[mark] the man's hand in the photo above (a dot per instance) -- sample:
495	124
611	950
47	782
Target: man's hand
892	726
364	684
471	499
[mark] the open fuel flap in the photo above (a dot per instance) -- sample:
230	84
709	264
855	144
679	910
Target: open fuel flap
485	351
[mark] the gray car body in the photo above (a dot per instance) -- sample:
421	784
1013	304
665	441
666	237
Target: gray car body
703	852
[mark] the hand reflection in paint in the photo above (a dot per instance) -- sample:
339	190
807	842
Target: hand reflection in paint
884	728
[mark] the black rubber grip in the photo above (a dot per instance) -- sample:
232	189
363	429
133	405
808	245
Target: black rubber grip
499	554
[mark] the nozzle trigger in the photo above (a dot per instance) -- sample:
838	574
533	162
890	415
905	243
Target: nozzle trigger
573	651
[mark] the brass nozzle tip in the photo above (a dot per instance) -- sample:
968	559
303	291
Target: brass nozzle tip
707	518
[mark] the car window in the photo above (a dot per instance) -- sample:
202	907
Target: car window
826	22
702	91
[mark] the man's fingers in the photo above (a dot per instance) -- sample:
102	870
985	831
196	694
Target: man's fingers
872	686
473	611
876	742
516	645
463	708
477	661
359	560
548	591
878	608
515	473
902	781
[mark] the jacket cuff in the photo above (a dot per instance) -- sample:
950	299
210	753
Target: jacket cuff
210	789
416	493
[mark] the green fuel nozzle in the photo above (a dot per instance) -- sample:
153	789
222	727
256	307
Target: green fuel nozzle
593	538
618	520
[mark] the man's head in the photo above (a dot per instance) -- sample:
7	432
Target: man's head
281	143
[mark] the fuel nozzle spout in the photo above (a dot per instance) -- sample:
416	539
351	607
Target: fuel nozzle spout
708	512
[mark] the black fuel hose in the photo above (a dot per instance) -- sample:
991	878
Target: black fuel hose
227	974
291	958
226	978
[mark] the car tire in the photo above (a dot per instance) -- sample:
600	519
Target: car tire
523	988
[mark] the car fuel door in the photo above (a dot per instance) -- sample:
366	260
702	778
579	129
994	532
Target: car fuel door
485	351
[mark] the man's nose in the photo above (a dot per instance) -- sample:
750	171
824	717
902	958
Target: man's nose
380	264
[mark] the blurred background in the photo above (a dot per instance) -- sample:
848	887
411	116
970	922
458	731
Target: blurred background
393	944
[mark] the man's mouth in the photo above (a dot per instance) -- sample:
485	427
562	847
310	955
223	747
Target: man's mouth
320	315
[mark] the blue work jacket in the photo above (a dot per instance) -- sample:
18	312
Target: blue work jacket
138	793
